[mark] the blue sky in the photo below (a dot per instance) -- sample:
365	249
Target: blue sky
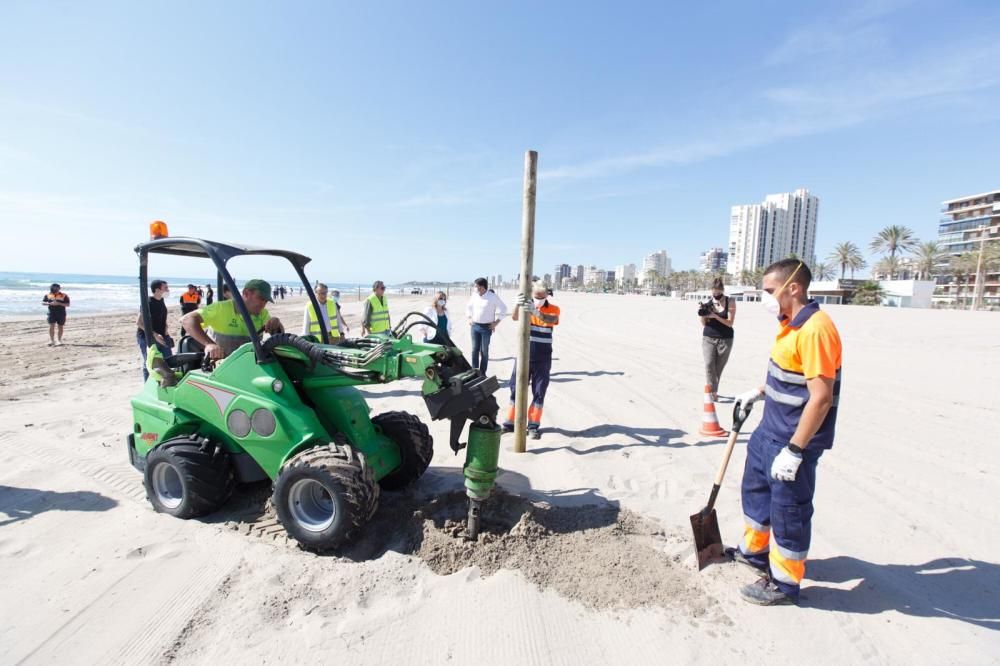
386	140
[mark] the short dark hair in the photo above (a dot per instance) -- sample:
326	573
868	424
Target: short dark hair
377	284
786	267
717	283
481	282
156	284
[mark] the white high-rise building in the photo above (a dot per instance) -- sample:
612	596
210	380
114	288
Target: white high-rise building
657	262
760	234
594	276
624	273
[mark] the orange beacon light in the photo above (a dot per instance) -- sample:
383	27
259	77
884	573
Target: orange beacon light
158	229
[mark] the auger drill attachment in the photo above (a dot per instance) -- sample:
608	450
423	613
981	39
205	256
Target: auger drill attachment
480	468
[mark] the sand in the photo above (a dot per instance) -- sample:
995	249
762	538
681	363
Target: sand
586	556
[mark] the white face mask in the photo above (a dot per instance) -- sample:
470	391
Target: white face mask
770	303
539	302
441	302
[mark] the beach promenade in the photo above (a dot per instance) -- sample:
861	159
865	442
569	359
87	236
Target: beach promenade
904	565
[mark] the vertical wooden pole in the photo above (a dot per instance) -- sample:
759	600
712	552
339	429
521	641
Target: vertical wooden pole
524	332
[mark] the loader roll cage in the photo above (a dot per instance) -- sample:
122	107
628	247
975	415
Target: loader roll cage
220	254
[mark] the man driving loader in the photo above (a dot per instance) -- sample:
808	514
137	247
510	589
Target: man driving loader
228	328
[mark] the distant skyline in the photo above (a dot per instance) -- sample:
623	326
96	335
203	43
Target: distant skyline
386	140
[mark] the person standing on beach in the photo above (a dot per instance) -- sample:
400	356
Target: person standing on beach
329	312
158	319
57	302
209	294
190	300
375	318
484	311
345	330
544	318
800	412
437	313
717	335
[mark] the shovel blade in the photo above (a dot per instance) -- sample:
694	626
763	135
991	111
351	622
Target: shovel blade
707	538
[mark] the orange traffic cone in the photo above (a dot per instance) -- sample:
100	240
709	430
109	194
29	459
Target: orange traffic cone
709	421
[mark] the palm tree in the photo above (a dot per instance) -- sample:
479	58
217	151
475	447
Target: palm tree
869	293
961	267
894	239
845	254
857	263
746	277
758	277
823	271
887	266
928	255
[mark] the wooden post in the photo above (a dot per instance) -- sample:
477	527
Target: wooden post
524	332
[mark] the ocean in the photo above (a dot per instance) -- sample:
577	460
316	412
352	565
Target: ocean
21	293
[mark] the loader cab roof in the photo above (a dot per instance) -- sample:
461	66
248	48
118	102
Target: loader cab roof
197	247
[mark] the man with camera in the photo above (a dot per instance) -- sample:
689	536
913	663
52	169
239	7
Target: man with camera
717	317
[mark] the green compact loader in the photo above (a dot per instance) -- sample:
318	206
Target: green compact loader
287	409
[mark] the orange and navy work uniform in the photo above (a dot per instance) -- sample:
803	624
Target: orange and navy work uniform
539	366
190	301
806	347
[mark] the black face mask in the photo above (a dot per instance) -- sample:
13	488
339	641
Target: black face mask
718	298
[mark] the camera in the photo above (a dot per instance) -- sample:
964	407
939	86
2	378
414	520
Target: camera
705	309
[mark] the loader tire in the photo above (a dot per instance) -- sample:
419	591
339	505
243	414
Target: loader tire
324	495
188	476
416	447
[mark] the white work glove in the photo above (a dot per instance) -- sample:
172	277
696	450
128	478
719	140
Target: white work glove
786	465
527	304
747	398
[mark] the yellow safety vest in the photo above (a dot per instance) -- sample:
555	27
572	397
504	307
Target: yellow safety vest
380	314
331	311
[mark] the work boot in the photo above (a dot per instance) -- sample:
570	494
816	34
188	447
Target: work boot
736	555
765	593
507	427
534	433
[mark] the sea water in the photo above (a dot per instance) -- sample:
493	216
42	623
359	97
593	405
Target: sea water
21	293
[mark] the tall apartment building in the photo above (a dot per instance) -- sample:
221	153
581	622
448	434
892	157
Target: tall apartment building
624	273
783	224
594	276
658	262
713	260
967	224
579	274
561	271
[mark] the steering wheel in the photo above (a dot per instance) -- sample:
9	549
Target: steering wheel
187	359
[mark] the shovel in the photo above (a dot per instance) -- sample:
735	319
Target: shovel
705	524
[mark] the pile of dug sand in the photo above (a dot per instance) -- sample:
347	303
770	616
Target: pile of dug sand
600	555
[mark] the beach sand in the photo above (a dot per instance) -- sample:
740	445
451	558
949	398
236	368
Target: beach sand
597	569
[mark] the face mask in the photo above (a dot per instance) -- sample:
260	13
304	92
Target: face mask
539	302
336	299
717	297
441	302
770	301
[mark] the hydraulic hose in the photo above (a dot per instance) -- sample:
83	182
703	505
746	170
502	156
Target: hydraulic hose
315	353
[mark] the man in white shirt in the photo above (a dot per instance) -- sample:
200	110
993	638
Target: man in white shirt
484	312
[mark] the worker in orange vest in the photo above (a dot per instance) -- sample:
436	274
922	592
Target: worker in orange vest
544	318
190	301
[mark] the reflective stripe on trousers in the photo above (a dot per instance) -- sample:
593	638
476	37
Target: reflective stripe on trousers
781	508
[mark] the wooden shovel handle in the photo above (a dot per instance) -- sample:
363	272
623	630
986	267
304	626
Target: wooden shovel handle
738	420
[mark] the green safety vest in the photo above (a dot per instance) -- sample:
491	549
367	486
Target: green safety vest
331	311
380	314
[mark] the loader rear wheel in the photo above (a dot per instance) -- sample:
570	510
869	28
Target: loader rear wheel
322	496
188	476
416	447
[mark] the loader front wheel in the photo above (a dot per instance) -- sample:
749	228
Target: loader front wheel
188	476
416	447
324	495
